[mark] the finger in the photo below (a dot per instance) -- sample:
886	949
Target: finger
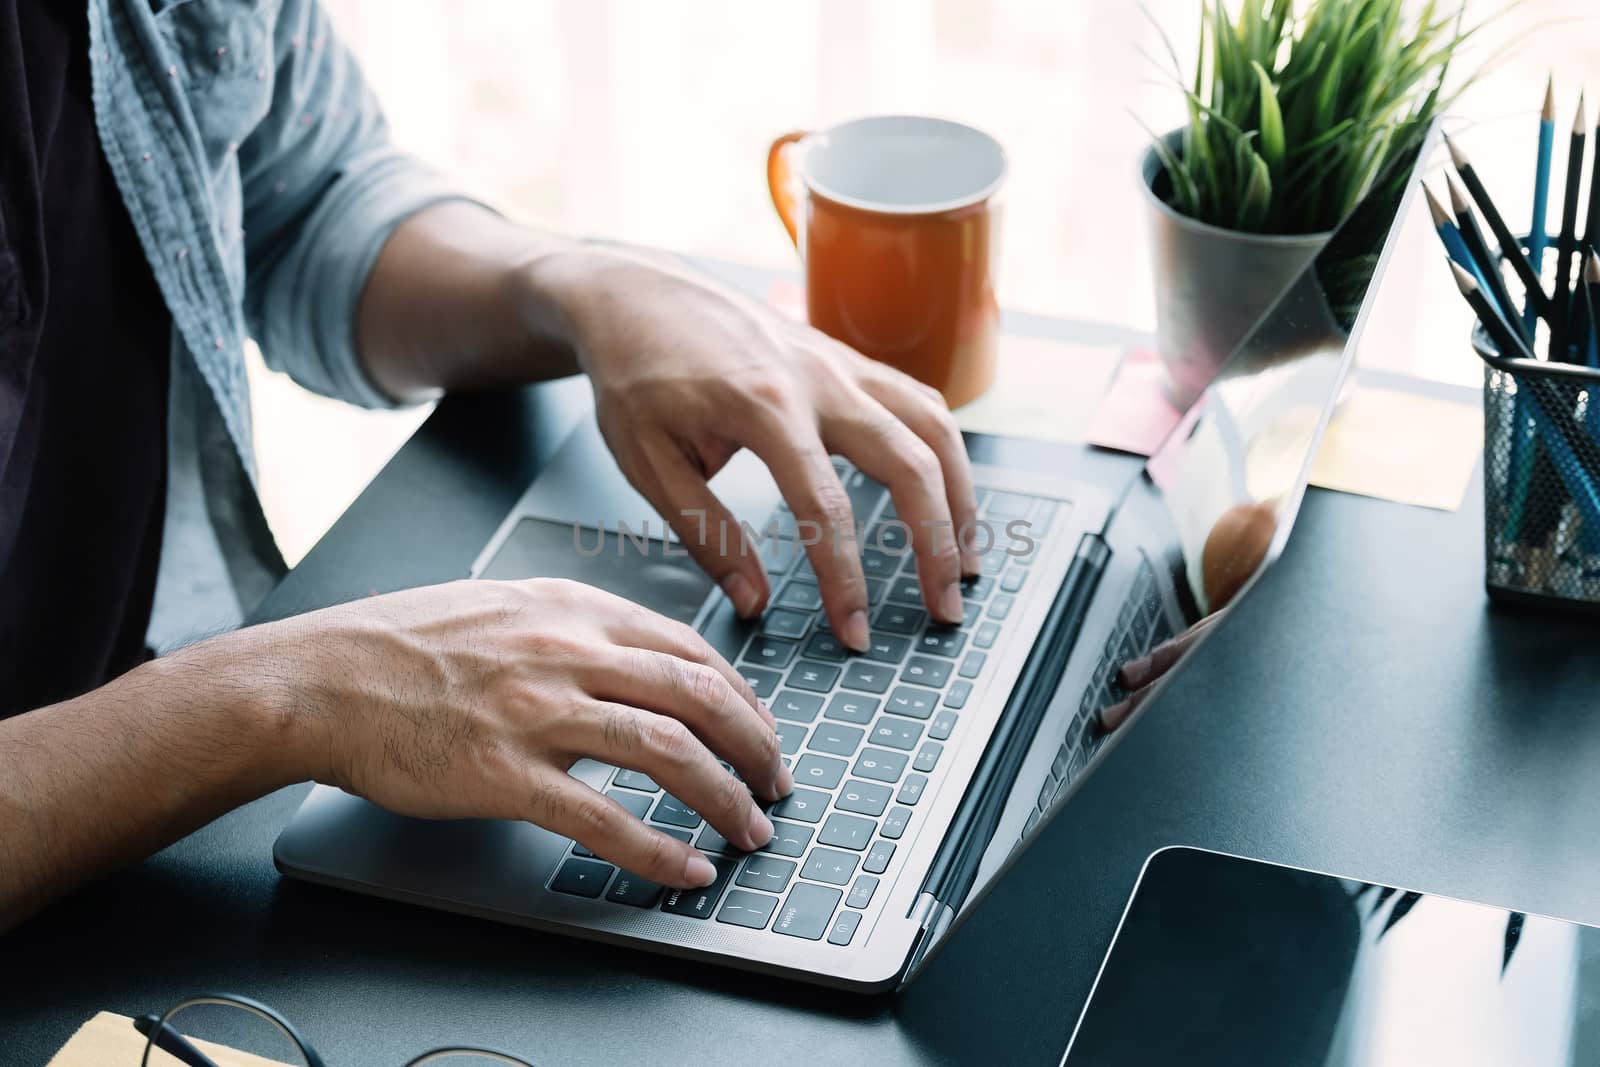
925	413
700	698
634	626
668	751
793	452
872	438
1138	673
713	537
562	804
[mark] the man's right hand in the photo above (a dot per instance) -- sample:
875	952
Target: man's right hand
474	699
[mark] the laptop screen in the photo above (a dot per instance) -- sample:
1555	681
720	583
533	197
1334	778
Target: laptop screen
1233	472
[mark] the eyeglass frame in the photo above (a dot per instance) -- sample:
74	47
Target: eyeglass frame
160	1034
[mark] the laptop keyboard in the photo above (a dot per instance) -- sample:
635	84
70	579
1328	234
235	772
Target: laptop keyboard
864	734
1141	625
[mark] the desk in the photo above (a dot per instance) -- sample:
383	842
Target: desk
1362	712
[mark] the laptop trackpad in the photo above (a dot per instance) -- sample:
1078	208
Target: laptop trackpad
660	577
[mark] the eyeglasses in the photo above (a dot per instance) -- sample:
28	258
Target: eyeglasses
223	1030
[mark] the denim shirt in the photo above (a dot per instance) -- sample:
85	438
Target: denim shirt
258	172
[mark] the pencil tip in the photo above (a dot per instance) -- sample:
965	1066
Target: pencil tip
1458	197
1579	126
1436	209
1457	156
1549	112
1464	280
1591	273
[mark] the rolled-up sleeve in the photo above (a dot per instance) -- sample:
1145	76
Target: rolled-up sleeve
323	189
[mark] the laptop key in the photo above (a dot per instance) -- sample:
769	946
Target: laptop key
876	587
634	891
638	804
1012	580
894	823
887	648
802	596
766	872
925	670
826	646
711	841
893	537
747	909
868	677
972	666
844	927
806	911
674	812
1001	607
863	798
825	865
768	651
928	756
584	878
911	789
899	619
790	736
819	771
992	563
796	707
781	623
788	839
956	696
880	765
634	780
942	642
836	739
700	903
807	805
778	555
977	588
876	563
895	732
761	680
912	701
970	612
847	831
943	724
905	590
861	892
987	634
1009	506
848	707
813	676
878	857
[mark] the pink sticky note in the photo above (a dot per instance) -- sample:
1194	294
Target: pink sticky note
1135	415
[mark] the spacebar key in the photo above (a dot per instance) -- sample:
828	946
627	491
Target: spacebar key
807	911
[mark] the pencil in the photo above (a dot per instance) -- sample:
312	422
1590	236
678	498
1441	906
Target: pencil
1591	233
1509	246
1591	295
1561	322
1538	234
1489	275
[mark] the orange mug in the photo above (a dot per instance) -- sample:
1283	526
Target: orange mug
894	219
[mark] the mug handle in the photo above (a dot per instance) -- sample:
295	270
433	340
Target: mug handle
782	185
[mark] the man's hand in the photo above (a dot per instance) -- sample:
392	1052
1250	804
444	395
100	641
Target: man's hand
686	374
474	699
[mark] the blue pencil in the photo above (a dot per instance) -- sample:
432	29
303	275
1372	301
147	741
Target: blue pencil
1454	246
1538	233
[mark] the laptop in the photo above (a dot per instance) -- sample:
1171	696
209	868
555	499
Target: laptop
924	766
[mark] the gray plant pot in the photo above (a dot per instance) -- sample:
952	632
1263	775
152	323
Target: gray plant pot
1212	285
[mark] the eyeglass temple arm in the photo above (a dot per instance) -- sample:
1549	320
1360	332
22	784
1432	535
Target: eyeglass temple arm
171	1042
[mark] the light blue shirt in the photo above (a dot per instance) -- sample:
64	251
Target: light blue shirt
258	172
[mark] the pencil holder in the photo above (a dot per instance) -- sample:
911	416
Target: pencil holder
1541	481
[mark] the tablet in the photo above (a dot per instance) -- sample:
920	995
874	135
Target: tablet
1224	960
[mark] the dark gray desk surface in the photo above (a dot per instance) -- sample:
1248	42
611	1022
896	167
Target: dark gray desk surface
1362	713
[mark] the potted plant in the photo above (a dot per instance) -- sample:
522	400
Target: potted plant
1294	110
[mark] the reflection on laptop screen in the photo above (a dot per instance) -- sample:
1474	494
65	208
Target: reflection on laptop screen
1233	472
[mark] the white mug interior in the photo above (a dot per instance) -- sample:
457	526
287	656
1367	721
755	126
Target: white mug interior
903	164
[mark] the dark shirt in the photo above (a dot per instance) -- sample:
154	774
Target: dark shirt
84	348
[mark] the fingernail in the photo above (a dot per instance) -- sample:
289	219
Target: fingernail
1112	717
950	604
783	781
1135	673
855	631
698	871
742	593
760	828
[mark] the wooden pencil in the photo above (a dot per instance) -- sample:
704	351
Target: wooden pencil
1561	320
1509	246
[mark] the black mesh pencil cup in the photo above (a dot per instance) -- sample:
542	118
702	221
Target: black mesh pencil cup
1541	483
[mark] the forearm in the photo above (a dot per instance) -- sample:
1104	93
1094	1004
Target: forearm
455	302
96	782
